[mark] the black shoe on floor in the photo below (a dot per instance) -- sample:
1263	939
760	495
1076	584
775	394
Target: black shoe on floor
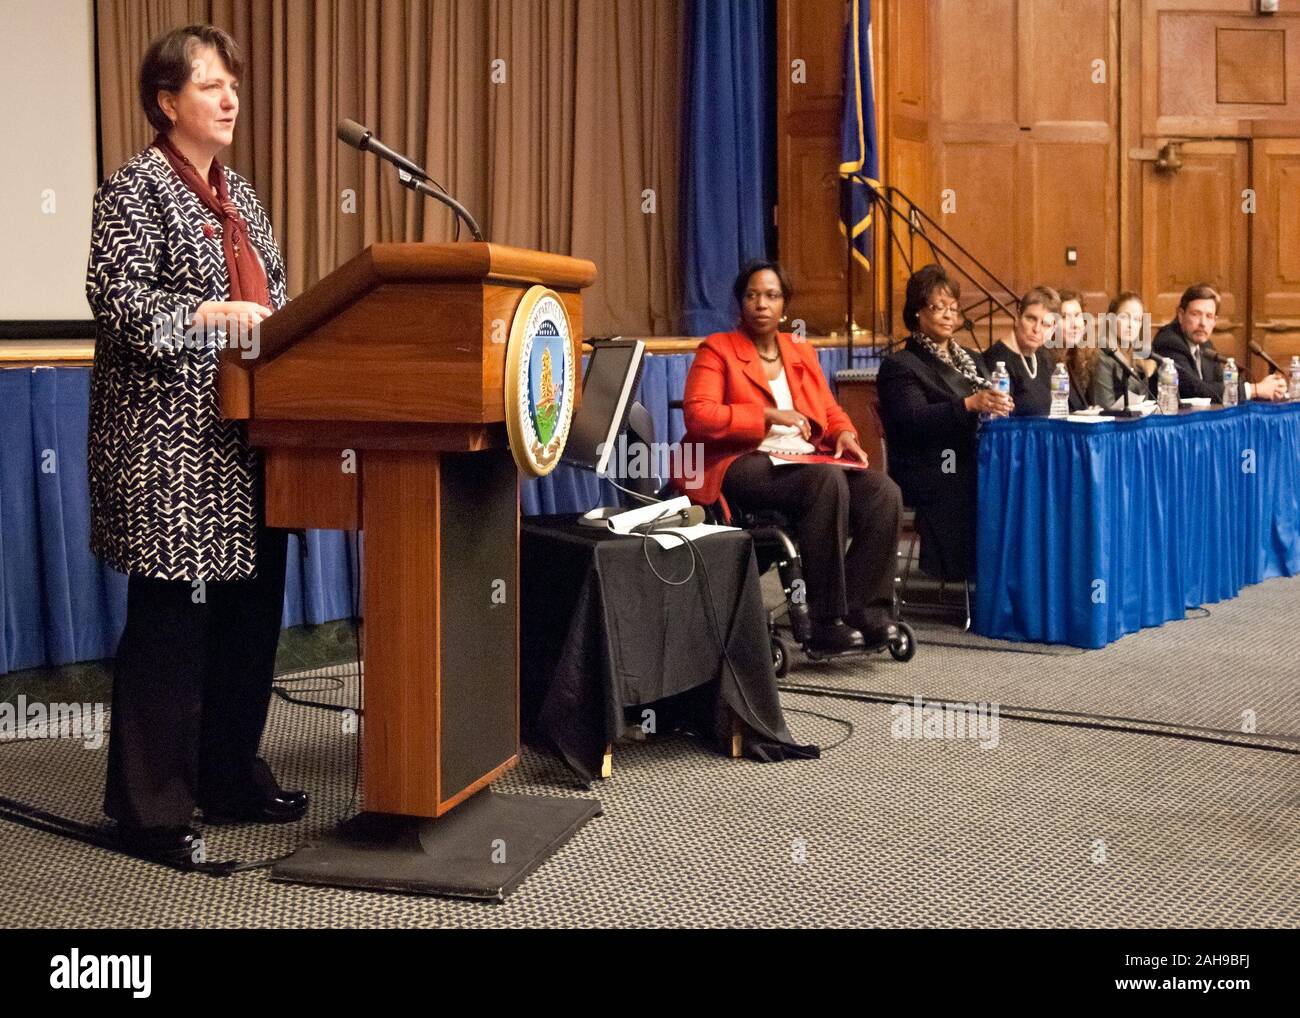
174	845
876	624
834	638
279	807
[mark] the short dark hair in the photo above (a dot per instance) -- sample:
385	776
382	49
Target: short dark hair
1068	295
1043	295
924	282
168	64
741	284
1198	291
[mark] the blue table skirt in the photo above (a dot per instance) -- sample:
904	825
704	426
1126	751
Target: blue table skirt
1090	531
58	604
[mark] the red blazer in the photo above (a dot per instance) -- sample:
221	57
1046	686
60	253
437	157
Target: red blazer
726	392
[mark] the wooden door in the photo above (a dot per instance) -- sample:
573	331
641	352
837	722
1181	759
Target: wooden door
1195	229
1276	261
1222	81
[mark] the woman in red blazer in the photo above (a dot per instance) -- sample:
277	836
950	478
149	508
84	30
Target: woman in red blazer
756	391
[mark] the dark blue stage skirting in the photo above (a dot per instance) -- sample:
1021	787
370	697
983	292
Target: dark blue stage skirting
58	604
1091	531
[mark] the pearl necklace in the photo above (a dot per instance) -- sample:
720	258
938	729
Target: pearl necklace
1031	372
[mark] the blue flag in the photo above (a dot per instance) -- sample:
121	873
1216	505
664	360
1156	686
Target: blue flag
858	151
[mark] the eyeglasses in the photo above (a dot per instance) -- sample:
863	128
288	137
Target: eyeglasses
939	309
772	295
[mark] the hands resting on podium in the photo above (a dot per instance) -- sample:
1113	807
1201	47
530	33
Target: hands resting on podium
248	314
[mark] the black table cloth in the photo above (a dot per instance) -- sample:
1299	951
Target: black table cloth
600	632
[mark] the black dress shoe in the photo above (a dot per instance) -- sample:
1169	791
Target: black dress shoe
175	845
834	638
274	808
875	624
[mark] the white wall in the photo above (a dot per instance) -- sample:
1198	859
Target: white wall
48	173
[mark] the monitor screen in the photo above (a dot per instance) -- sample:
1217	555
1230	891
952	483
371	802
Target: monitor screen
608	386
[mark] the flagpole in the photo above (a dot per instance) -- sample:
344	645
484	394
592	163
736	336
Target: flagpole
846	215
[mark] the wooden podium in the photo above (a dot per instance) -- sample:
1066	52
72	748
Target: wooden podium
377	397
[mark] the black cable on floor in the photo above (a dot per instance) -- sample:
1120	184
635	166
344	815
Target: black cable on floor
1070	652
1028	714
848	725
314	704
50	823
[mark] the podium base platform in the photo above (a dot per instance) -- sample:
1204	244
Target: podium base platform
482	849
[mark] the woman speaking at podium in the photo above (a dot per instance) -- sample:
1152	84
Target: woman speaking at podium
182	261
755	392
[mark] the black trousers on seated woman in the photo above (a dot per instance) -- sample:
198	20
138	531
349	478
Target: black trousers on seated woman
191	690
826	505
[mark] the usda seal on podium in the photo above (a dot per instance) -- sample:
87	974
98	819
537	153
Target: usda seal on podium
540	382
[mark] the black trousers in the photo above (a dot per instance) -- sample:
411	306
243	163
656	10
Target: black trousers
827	505
191	690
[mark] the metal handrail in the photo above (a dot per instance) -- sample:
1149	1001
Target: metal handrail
917	223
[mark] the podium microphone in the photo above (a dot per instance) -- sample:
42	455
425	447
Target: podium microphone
1258	350
412	176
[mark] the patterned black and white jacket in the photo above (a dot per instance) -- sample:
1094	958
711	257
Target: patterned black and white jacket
172	483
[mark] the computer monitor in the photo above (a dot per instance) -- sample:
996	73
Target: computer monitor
608	385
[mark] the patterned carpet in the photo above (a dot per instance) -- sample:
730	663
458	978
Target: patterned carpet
1056	826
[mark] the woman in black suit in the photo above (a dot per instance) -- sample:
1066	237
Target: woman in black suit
1075	350
1027	362
932	393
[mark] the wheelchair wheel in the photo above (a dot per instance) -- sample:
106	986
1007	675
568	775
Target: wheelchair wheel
903	645
780	657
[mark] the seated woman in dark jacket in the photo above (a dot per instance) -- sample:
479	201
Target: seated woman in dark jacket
1029	365
1119	367
931	395
1076	350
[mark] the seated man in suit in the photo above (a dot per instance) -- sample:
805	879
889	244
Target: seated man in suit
1186	341
932	393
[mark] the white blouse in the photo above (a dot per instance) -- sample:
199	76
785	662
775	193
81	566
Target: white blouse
784	437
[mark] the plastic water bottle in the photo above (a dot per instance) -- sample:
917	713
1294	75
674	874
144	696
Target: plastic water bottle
1060	392
1001	383
1230	383
1293	390
1167	387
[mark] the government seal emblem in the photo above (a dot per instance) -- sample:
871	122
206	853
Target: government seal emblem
539	382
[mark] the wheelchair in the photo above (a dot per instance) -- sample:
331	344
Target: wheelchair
775	548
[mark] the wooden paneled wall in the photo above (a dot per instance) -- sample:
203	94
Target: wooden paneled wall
1019	159
1222	83
1030	129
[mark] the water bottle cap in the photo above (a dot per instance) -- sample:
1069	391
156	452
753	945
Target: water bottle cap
1002	365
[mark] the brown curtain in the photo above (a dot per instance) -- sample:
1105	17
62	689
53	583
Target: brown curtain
559	156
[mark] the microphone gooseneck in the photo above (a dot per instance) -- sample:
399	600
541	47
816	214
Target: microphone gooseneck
1258	350
411	176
